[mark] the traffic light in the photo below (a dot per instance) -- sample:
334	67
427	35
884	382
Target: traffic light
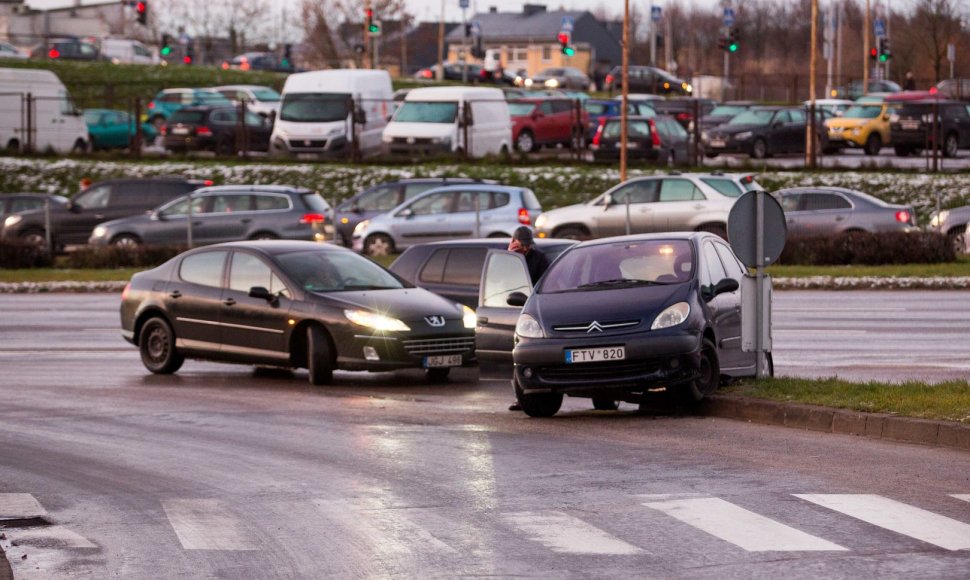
287	56
564	47
873	53
373	27
166	45
141	9
478	48
885	53
189	54
732	40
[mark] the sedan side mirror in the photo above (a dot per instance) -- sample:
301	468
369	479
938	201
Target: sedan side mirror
74	207
261	292
607	201
516	299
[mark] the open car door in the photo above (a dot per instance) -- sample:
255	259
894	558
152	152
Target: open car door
504	273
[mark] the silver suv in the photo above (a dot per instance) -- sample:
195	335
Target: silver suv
444	213
659	203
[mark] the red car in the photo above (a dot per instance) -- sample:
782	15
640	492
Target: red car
538	122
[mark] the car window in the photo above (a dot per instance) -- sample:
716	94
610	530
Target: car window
797	116
723	186
19	205
562	106
823	201
530	200
546	108
414	189
471	200
713	264
315	202
326	271
204	268
464	266
731	265
380	199
505	276
94	197
679	190
231	203
247	271
433	204
781	117
434	268
497	199
790	202
595	108
271	202
644	191
181	206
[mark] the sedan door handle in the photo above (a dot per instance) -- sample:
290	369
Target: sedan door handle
175	294
229	302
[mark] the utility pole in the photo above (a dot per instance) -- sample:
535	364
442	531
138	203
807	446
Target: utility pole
865	50
653	37
839	17
441	44
810	124
626	88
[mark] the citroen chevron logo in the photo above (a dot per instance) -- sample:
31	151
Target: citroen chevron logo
594	326
435	320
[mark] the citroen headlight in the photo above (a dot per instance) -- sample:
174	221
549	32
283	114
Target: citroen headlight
375	320
99	232
743	136
360	227
541	222
527	327
468	317
12	220
671	316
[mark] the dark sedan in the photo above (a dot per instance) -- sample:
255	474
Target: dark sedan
17	202
218	129
764	131
294	305
911	126
723	113
616	318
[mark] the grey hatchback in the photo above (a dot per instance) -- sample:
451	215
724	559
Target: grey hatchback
820	211
225	213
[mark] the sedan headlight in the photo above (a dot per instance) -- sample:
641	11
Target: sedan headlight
552	83
12	220
99	232
361	226
939	219
527	327
468	317
671	316
744	135
375	320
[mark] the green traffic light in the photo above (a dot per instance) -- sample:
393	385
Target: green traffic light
373	28
733	47
166	50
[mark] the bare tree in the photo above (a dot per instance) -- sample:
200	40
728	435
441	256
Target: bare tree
319	38
934	24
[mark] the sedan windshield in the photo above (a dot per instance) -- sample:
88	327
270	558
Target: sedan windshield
329	271
761	118
727	110
620	265
427	112
314	107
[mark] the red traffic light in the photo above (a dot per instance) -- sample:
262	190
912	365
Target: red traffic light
369	13
563	38
187	59
140	7
873	52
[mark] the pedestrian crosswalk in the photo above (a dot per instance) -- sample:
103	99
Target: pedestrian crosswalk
398	532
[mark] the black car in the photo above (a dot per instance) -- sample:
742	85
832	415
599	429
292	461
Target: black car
647	79
616	318
67	48
378	199
217	129
682	108
453	268
658	139
764	131
267	61
910	127
295	305
72	223
723	113
11	203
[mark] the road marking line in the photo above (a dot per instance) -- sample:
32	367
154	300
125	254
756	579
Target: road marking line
566	534
963	496
20	506
386	531
743	528
45	534
205	524
898	517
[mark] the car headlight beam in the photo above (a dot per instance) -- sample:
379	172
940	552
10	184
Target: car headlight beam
375	320
12	220
671	316
468	317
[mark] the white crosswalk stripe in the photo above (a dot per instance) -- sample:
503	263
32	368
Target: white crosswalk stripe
898	517
386	531
963	496
565	534
207	524
743	528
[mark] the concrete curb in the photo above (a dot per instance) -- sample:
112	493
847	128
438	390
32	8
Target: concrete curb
6	572
828	420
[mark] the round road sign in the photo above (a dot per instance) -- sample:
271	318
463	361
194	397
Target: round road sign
742	228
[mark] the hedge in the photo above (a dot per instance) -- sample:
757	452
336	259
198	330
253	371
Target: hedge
869	249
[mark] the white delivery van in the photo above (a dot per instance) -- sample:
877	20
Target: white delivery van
315	114
50	116
439	119
127	51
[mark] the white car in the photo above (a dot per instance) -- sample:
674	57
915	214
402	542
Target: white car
658	203
8	50
259	99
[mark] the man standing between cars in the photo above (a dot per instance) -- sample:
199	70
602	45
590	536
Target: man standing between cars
523	243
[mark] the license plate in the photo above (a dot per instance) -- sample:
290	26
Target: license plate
180	131
718	143
909	125
448	360
632	145
307	156
603	353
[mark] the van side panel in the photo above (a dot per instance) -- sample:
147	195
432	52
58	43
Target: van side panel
55	126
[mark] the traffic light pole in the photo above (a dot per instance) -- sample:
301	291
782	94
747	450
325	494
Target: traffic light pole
464	48
865	50
727	74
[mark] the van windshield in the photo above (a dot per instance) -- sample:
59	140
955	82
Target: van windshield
314	107
425	112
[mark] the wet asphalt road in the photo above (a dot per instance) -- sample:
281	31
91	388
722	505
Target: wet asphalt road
221	472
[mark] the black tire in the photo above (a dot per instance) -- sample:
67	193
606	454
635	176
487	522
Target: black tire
951	146
716	229
525	142
34	237
958	238
571	233
319	356
129	241
605	404
709	377
226	146
538	405
437	375
378	245
903	150
156	344
13	146
759	149
873	144
80	147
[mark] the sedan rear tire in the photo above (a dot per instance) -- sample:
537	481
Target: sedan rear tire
538	405
156	344
759	150
525	142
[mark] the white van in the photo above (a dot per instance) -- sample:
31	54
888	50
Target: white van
315	115
54	122
127	51
438	119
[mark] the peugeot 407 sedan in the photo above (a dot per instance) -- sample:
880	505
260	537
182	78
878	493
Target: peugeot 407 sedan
616	318
291	304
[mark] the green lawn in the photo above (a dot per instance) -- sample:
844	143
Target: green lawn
66	275
959	268
948	401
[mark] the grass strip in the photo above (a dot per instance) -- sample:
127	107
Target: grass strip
951	269
66	275
949	401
